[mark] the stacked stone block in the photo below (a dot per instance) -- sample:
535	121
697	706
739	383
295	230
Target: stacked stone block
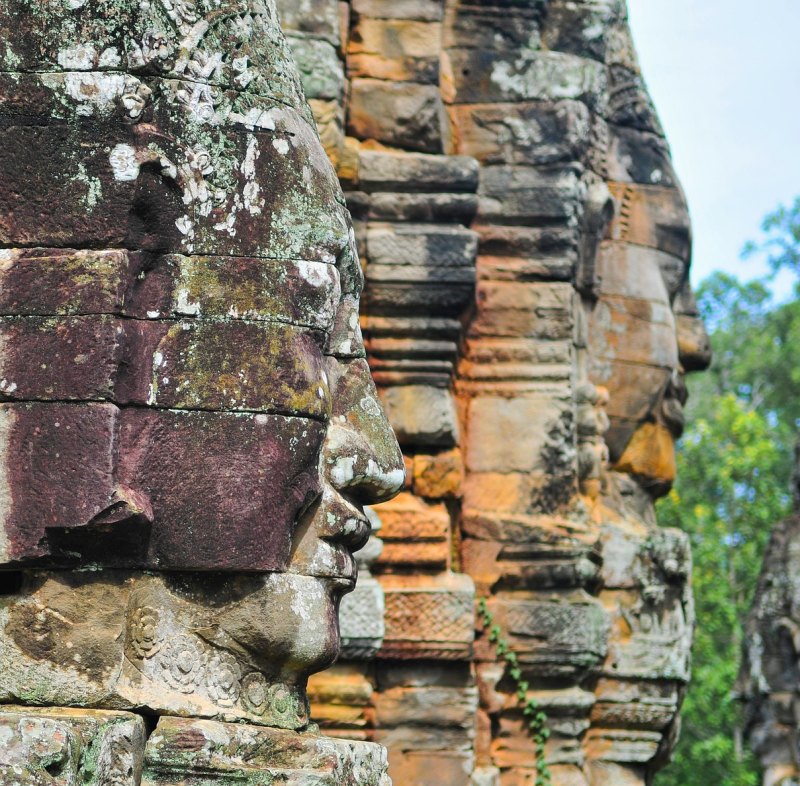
541	487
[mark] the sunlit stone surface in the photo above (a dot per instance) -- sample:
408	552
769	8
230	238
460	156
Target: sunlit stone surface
529	324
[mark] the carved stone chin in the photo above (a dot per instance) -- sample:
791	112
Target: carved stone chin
235	648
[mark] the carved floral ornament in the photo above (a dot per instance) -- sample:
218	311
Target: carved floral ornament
255	691
189	665
223	679
182	660
143	635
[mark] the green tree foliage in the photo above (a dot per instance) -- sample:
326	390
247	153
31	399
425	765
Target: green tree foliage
756	349
733	488
734	468
781	243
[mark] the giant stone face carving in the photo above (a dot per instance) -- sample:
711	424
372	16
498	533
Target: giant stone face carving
581	310
645	333
189	429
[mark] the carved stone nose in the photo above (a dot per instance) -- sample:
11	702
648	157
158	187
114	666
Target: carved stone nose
694	345
361	457
368	472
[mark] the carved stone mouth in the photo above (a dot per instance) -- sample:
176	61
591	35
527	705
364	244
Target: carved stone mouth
334	562
354	533
332	529
343	521
342	584
672	415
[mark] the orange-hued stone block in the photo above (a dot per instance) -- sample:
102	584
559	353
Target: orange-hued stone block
414	532
396	50
542	311
650	453
439	476
529	323
341	699
428	616
498	492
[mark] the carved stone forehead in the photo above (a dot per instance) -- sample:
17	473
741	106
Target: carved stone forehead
165	125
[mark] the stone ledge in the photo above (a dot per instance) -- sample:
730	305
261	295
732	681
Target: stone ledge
67	745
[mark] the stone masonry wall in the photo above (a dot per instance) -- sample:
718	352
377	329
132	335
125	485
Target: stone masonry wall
528	321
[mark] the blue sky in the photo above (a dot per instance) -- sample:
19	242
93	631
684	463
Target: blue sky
725	76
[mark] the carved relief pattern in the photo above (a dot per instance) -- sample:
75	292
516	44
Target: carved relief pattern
183	661
223	679
143	632
444	614
255	692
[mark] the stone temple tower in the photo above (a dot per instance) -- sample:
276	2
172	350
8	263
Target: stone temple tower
529	323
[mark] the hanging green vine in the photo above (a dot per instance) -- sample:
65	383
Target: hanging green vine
531	711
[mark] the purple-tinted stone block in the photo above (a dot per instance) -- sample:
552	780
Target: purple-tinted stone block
57	471
225	489
272	290
59	358
51	281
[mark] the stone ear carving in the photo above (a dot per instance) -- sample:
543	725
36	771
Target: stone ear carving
600	207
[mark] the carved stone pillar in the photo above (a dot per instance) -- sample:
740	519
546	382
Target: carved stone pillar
549	99
529	116
411	206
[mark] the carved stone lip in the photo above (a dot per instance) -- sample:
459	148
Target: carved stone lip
331	531
342	521
672	415
354	534
341	583
336	561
